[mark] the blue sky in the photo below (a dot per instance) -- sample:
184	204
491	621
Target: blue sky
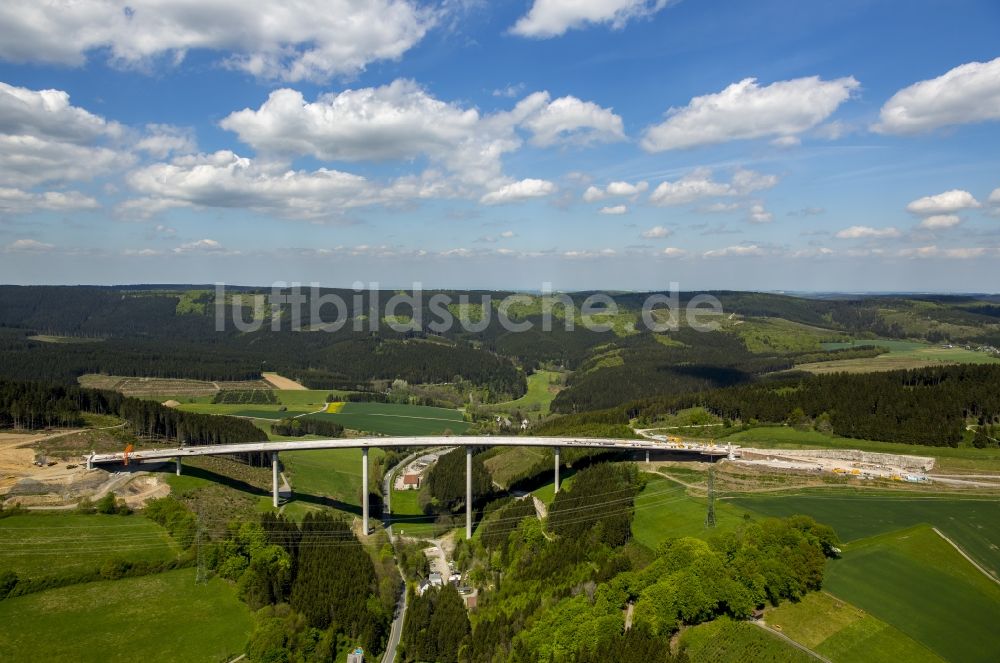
619	144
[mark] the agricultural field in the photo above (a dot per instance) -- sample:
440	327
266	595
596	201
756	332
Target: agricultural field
330	477
39	545
724	641
972	523
161	617
663	510
163	389
844	633
394	419
901	355
917	582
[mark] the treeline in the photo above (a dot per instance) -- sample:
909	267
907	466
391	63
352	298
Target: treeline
599	505
928	406
436	624
245	397
313	586
446	479
33	405
299	426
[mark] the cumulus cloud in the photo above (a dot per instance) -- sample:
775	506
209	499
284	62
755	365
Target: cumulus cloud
571	120
657	232
201	246
673	252
759	214
551	18
16	201
738	251
944	203
614	209
296	40
402	121
44	138
940	222
162	140
224	179
960	253
745	110
28	246
867	232
625	189
518	192
966	94
698	185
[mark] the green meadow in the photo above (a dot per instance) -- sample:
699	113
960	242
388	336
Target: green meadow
161	617
44	544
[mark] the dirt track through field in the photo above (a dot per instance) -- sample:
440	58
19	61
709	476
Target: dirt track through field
279	382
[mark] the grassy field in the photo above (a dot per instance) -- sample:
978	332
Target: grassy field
972	523
333	474
901	355
778	335
393	419
664	511
509	462
162	617
727	641
163	389
541	392
844	633
915	581
407	517
45	544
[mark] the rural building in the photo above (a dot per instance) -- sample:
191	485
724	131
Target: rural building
411	481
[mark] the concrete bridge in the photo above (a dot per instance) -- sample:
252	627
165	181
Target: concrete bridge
648	444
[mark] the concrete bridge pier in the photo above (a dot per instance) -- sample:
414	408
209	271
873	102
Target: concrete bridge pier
555	450
647	456
274	479
177	462
364	490
468	492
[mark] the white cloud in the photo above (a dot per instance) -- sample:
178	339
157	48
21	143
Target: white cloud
295	40
720	207
201	246
17	201
698	185
624	189
570	120
785	142
614	209
735	251
966	253
966	94
994	198
43	138
28	246
758	214
867	232
673	252
507	234
745	110
551	18
657	232
943	203
940	222
162	140
519	191
402	121
224	179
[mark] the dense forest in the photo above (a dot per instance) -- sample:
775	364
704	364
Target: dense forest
299	426
558	594
928	406
29	405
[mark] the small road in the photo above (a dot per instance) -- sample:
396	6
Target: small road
396	631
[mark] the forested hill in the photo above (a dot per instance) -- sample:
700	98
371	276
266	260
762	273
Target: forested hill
59	333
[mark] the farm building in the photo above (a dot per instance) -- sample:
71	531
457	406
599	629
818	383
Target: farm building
411	481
